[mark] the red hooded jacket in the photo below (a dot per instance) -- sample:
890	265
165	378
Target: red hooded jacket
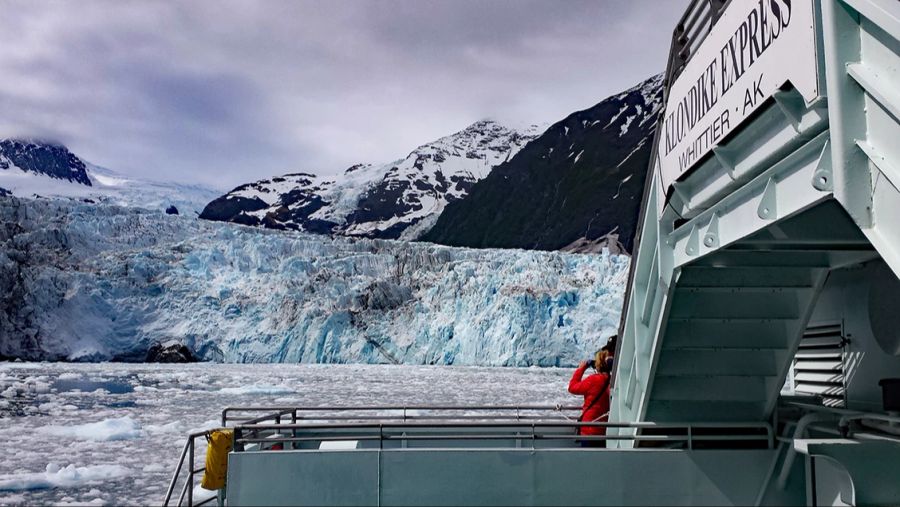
592	387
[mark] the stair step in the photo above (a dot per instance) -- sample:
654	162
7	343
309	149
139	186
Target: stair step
697	303
828	389
731	289
738	362
812	342
721	348
710	388
747	320
819	354
704	411
818	377
792	256
765	259
824	365
745	277
728	333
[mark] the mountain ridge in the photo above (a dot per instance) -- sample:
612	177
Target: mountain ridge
36	168
396	200
579	182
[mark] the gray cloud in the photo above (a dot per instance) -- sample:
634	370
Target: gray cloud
223	92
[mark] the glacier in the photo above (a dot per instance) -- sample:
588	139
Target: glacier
99	282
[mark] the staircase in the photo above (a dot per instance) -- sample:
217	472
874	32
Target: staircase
735	317
730	335
731	258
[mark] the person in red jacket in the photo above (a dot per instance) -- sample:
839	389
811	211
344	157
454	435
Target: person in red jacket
595	389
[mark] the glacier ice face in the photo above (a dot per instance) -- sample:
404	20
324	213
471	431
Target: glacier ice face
99	282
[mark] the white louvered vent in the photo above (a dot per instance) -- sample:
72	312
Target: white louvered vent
819	364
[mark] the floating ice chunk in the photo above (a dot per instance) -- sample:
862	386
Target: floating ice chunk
258	389
172	427
154	467
69	376
12	499
68	501
122	428
61	477
208	425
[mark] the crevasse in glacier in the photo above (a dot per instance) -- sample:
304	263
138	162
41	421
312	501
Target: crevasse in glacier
100	282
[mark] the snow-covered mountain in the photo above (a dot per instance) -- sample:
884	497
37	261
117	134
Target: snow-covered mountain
576	187
91	282
31	168
401	199
42	158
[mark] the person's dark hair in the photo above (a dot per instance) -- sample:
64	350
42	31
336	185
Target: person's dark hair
610	344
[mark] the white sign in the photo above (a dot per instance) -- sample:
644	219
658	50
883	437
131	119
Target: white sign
753	50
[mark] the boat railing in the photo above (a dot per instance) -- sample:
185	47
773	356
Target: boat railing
188	456
256	415
278	428
274	437
248	415
531	427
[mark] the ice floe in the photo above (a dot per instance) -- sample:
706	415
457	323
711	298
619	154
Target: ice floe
122	428
57	476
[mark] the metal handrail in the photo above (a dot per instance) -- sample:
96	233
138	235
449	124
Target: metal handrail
500	422
403	417
187	454
550	424
510	431
516	436
358	408
295	412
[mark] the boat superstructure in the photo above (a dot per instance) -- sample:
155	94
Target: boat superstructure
770	240
761	329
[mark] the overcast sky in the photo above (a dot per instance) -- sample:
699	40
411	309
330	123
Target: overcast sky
223	92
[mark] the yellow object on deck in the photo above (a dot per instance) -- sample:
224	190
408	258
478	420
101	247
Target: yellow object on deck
220	443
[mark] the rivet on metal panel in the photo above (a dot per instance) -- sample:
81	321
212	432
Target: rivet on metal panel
768	206
711	238
822	176
693	244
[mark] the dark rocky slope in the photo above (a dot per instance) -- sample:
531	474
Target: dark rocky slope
576	187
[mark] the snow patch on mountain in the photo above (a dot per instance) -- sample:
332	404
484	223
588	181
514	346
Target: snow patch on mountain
400	199
86	282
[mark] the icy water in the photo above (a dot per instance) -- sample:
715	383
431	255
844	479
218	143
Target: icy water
110	434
